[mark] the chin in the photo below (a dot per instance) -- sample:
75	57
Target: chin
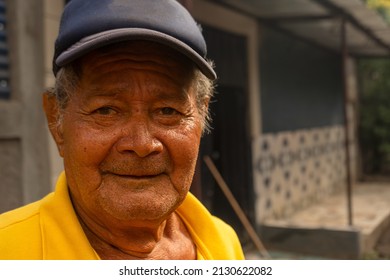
141	210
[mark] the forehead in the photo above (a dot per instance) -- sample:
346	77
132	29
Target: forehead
137	55
127	67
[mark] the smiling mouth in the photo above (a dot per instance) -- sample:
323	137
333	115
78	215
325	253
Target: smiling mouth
136	177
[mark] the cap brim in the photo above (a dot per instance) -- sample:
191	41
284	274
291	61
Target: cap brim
105	38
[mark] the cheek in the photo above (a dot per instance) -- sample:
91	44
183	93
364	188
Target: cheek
84	151
183	149
85	148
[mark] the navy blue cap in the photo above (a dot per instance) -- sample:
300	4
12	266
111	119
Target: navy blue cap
89	24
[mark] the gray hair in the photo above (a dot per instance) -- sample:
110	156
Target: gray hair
68	78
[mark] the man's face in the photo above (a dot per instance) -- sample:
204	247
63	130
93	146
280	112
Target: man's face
130	134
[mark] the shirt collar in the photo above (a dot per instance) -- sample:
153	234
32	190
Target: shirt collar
62	234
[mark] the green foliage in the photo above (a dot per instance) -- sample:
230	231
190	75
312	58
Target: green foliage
375	114
381	6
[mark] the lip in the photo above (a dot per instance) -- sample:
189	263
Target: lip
136	176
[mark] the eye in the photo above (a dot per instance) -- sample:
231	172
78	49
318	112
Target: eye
168	111
104	111
169	116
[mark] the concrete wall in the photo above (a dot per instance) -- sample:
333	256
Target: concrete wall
24	165
52	14
301	84
300	156
297	168
294	166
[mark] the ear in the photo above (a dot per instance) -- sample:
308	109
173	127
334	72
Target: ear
50	105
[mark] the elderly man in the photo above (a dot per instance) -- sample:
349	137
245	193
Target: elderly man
127	113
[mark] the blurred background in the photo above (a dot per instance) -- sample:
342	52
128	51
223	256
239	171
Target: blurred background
301	120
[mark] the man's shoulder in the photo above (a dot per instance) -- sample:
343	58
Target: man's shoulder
215	238
196	214
20	215
20	233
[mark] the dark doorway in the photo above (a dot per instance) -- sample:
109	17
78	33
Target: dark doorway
229	142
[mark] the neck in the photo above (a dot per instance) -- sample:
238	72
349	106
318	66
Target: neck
168	239
132	242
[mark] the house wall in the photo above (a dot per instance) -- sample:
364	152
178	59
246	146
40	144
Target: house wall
297	168
296	105
301	84
24	165
29	162
233	22
232	40
52	15
302	156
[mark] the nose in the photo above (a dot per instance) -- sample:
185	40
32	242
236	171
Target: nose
137	138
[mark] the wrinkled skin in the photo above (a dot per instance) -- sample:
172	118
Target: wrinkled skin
129	137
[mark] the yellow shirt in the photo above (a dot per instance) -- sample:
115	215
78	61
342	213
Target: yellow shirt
49	229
